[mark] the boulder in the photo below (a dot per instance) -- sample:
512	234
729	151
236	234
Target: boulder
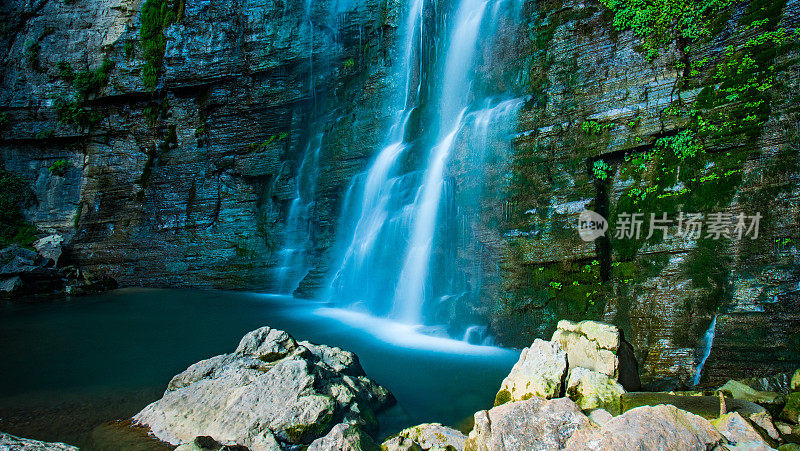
426	437
535	424
738	431
271	388
592	390
788	432
600	416
738	390
649	427
777	383
14	443
599	347
10	286
791	411
49	247
344	437
539	371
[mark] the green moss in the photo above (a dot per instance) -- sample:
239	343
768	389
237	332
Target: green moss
502	397
15	195
156	15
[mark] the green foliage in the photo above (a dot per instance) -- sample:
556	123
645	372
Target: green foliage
65	71
59	167
3	120
684	145
15	195
349	63
665	21
156	15
601	170
593	127
130	50
31	54
44	134
90	81
72	112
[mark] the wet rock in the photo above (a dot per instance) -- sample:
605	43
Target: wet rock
656	427
271	387
535	424
13	443
344	437
592	390
738	431
425	437
539	371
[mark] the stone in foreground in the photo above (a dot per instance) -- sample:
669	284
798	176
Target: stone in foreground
538	372
738	431
645	428
427	436
344	437
13	443
592	390
535	424
271	390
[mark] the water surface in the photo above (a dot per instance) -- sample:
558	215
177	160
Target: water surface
70	366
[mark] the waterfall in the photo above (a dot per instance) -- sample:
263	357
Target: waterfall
295	257
706	343
399	227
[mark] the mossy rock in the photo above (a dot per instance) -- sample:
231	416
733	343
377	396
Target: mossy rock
791	412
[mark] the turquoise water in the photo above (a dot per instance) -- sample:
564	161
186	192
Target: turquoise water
68	367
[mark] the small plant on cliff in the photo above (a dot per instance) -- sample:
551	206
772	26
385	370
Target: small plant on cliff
601	170
31	54
59	167
594	127
15	195
156	15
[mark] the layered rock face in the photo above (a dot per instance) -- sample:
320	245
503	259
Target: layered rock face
188	182
600	109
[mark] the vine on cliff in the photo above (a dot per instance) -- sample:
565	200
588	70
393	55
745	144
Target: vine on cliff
156	16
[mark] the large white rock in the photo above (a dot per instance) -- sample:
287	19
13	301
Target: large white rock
739	432
590	344
538	372
344	437
592	390
271	387
661	427
10	442
535	424
427	436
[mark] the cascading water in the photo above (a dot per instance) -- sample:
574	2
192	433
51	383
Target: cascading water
392	238
706	342
295	257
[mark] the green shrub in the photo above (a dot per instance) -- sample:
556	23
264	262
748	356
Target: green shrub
15	195
59	167
601	170
65	71
31	54
90	81
156	15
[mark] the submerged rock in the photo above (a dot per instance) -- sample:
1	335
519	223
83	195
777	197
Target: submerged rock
14	443
271	389
539	371
535	424
592	390
644	428
428	436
